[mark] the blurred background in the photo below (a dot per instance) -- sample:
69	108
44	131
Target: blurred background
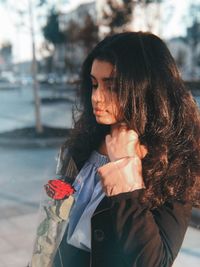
42	46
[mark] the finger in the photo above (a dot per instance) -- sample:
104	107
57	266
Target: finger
133	134
128	135
107	189
132	137
118	127
115	131
122	126
140	150
143	151
133	145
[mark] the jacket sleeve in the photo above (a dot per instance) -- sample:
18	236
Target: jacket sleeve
148	238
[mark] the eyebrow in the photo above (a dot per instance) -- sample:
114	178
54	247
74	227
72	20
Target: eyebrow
105	79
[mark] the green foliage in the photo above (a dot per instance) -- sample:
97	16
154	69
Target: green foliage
42	2
150	1
51	29
118	14
88	34
193	33
84	36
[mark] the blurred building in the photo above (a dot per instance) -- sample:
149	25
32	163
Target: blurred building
72	53
187	59
146	17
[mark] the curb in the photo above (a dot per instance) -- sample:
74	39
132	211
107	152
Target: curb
195	218
31	143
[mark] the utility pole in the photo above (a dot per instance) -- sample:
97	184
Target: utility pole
38	124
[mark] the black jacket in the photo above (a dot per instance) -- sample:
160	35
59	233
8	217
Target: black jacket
126	233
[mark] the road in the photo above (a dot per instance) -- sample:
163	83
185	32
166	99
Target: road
17	110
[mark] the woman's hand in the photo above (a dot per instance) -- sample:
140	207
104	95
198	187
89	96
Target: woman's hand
123	142
121	176
124	173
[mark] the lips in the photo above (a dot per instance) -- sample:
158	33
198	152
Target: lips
99	111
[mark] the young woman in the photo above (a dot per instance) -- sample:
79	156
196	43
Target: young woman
133	158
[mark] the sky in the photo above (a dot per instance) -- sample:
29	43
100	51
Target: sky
19	36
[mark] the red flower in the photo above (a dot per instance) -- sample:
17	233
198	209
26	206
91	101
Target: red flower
58	189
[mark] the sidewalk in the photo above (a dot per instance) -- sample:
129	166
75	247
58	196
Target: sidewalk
189	255
17	110
18	235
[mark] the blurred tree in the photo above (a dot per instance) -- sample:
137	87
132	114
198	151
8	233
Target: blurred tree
57	40
42	2
71	35
6	53
193	36
6	48
117	15
88	34
29	8
51	29
46	51
71	31
193	33
83	36
152	14
181	58
149	1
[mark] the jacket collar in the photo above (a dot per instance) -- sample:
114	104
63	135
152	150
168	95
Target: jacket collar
104	205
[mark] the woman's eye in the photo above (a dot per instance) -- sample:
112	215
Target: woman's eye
94	86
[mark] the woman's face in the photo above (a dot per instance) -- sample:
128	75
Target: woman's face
104	100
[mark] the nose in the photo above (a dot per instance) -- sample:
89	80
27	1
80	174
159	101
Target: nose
98	94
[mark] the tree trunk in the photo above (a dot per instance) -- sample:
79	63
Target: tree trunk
38	124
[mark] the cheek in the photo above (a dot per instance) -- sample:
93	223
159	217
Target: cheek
115	108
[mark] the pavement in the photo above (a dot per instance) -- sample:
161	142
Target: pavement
18	230
25	171
25	167
18	235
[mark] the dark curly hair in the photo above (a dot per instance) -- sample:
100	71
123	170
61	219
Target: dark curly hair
156	104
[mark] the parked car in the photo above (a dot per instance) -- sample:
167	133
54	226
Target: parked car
5	84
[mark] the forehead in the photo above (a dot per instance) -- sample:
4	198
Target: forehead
101	69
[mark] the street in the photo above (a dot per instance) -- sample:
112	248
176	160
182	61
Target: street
25	171
17	110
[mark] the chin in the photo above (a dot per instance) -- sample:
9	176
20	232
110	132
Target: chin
105	122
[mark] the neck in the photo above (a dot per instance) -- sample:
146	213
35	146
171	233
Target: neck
102	149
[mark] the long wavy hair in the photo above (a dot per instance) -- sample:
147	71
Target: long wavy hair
154	103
